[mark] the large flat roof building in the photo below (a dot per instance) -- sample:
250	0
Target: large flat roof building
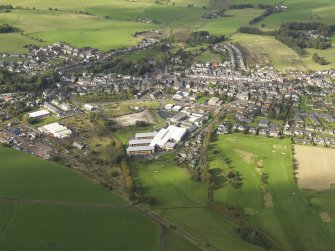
140	150
146	143
39	114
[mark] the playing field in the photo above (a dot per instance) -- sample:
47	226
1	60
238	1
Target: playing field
316	168
276	206
46	206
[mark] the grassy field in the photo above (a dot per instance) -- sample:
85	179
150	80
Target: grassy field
173	190
71	23
42	225
267	50
230	25
315	170
288	219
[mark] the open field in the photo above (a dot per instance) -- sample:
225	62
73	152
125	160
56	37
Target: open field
267	50
229	25
108	24
287	218
43	227
296	13
15	42
181	197
56	208
316	168
27	177
131	119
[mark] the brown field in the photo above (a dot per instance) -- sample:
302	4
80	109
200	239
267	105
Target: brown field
130	119
316	167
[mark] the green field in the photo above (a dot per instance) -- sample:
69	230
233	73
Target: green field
71	23
44	227
44	206
182	199
289	220
230	25
267	50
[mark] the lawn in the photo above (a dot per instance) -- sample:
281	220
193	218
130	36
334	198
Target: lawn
288	220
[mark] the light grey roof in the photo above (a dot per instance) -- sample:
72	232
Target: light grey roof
140	148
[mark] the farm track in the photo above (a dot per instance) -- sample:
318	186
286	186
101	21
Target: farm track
10	220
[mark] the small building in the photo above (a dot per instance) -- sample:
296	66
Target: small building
89	107
39	114
169	107
139	142
214	101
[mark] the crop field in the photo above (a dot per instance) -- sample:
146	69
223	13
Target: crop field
53	207
182	200
276	205
315	167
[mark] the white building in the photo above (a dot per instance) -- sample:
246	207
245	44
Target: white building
39	114
56	130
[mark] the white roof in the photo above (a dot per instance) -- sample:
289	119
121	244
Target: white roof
139	141
38	113
145	134
170	133
140	148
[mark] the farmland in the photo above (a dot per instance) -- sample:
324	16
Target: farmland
53	207
315	169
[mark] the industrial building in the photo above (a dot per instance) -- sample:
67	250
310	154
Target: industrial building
147	143
56	130
39	114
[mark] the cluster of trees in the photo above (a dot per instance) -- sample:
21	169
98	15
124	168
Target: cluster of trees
121	66
249	5
6	8
103	96
279	110
6	28
241	6
12	82
322	29
295	36
200	37
320	60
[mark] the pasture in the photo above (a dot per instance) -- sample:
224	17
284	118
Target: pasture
53	207
43	227
316	169
267	50
276	206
